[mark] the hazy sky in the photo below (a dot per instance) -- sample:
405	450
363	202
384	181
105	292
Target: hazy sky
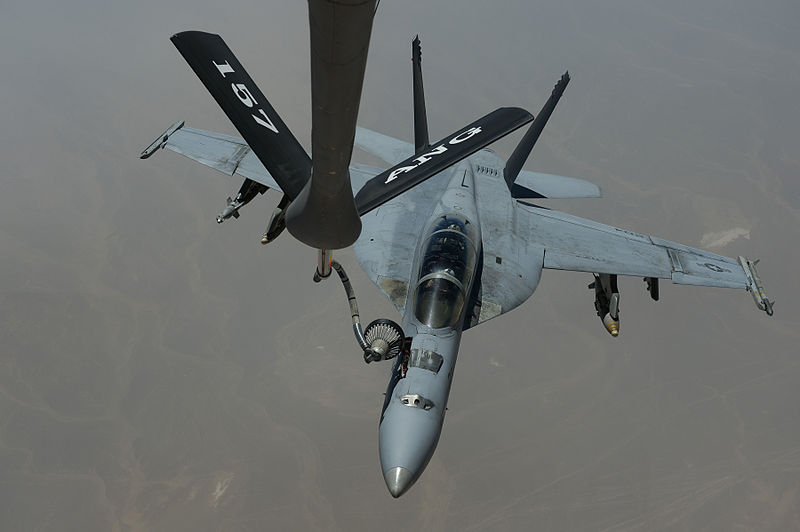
161	372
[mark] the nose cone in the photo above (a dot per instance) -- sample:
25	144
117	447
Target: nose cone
398	480
408	437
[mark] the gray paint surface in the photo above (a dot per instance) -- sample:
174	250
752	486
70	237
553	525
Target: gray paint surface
164	372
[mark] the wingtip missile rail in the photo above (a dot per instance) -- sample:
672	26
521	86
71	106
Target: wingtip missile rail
755	286
161	140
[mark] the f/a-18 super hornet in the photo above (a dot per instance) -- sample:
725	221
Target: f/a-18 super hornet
449	234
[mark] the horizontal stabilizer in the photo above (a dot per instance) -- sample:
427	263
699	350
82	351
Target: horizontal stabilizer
534	185
247	108
441	155
384	147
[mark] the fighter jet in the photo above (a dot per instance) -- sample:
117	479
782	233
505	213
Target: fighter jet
451	235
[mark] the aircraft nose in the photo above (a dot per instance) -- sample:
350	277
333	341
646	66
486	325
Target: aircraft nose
408	437
398	480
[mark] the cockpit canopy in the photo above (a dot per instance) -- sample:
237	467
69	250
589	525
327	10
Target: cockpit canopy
446	269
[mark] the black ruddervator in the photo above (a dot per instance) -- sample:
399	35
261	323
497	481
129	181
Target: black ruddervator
283	156
247	108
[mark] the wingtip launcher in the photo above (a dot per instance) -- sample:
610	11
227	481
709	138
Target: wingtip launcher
755	286
161	140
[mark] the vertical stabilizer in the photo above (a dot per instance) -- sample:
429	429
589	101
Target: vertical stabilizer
421	142
523	149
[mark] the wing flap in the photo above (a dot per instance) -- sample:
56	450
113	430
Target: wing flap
701	268
653	264
215	151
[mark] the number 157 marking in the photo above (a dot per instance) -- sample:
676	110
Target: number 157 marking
246	97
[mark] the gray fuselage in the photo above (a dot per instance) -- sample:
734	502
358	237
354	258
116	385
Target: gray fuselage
446	262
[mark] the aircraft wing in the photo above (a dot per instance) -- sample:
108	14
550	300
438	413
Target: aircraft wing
389	149
388	238
231	155
576	244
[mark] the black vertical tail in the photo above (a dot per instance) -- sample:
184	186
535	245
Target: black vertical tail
523	149
421	142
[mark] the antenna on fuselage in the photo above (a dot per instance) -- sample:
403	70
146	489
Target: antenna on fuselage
523	149
421	141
